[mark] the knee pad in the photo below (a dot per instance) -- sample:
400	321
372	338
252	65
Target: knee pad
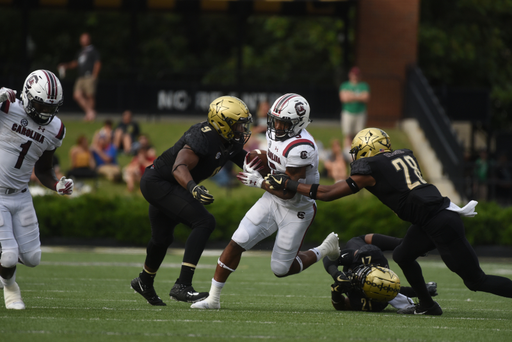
32	258
279	268
9	258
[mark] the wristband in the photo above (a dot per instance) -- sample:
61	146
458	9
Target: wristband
313	190
352	185
191	185
292	185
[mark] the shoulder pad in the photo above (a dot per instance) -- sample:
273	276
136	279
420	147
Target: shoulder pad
360	167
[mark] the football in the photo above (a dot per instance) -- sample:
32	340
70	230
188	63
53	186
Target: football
262	155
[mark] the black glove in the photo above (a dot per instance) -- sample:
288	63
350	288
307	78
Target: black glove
342	284
277	181
200	193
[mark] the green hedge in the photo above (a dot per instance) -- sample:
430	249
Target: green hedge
125	219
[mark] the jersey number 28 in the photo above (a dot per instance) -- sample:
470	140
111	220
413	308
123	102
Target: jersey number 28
407	164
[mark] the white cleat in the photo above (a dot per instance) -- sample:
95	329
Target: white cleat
12	296
206	304
330	247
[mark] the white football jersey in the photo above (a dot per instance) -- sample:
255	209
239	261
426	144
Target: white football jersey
298	151
22	142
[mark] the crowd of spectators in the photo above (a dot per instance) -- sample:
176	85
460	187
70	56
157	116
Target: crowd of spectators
92	158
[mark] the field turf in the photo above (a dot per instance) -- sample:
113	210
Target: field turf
83	294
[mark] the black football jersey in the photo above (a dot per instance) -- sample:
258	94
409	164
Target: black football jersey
400	185
208	145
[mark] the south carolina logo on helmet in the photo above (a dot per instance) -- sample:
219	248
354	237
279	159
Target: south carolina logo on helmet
376	282
369	142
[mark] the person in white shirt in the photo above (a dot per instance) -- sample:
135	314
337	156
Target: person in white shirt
29	135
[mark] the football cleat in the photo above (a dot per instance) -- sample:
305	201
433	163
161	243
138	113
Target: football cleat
186	293
12	296
432	288
330	247
146	291
434	310
206	304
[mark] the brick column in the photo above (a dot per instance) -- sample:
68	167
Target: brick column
386	43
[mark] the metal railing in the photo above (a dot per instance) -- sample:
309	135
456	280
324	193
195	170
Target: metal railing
422	104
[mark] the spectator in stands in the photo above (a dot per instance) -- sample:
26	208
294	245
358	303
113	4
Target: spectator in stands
143	141
334	163
89	64
105	157
354	96
106	130
132	173
82	161
126	132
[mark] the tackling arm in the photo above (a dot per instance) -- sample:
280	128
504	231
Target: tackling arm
294	173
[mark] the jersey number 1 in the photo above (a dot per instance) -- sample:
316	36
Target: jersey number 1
23	153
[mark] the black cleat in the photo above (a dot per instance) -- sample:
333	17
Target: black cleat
186	293
432	288
416	309
146	291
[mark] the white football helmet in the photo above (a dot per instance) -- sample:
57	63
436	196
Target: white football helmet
293	110
42	96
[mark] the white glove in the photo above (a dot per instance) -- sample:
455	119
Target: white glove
252	166
253	179
64	186
7	94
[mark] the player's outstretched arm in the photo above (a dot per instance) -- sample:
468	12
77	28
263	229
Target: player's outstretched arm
321	192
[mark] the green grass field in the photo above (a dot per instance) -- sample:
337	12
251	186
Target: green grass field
84	295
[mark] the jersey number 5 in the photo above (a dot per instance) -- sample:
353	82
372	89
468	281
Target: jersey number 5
407	164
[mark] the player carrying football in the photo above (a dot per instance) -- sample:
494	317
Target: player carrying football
29	135
291	149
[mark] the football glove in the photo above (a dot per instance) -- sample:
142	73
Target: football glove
64	186
342	284
254	165
202	195
277	181
7	94
253	179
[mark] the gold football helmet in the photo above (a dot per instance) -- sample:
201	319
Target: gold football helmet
230	117
370	142
377	283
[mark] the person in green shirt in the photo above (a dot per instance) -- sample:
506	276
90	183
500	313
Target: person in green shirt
354	95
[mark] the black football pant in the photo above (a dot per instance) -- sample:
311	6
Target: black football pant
445	231
171	204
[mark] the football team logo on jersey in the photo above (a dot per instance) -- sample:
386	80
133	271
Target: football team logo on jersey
301	215
303	155
24	122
